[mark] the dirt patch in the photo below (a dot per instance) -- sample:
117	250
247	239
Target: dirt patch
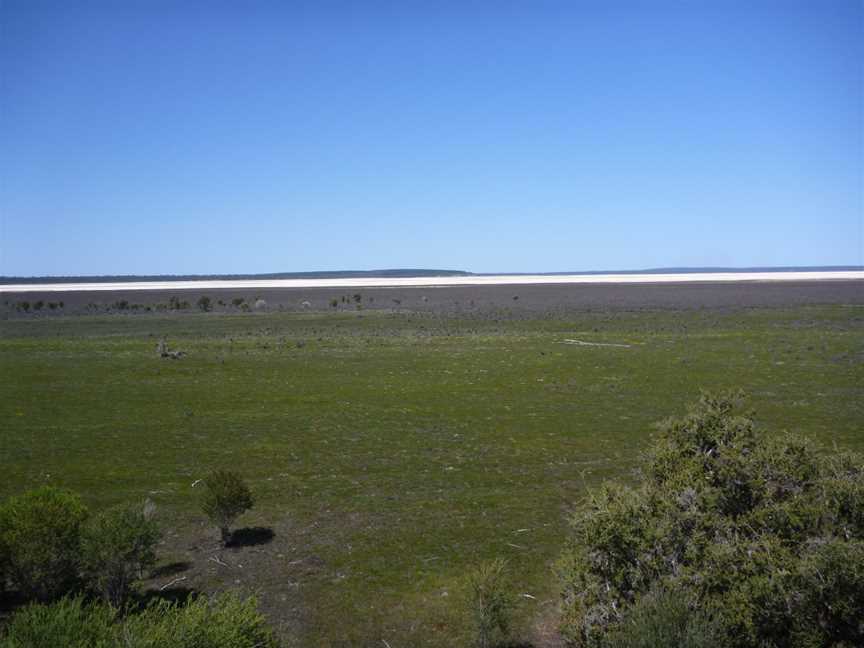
531	299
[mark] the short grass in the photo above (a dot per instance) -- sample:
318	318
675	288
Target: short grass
391	452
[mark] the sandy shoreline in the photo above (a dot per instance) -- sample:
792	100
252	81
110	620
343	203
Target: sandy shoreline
433	282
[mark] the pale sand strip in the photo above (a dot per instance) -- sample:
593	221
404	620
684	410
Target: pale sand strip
432	282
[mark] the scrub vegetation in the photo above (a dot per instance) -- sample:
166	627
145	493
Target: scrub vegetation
732	538
392	453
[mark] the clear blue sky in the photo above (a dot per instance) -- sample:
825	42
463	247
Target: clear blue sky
210	137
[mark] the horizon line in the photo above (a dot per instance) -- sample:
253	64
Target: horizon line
406	273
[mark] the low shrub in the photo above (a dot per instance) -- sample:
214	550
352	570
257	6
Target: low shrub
40	531
762	533
116	547
69	623
226	498
662	619
491	603
204	303
226	621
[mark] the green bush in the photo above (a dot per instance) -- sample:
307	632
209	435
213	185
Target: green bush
763	533
203	303
226	498
491	603
116	547
40	531
68	623
223	622
663	619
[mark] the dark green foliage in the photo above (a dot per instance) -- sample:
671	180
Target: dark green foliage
116	546
174	303
204	303
38	305
226	498
40	531
491	603
763	533
237	301
223	622
22	306
4	559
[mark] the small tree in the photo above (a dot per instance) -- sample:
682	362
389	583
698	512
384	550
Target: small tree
204	303
40	532
116	547
491	603
226	498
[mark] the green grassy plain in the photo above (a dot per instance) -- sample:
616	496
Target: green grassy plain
390	452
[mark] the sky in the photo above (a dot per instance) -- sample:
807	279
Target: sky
155	137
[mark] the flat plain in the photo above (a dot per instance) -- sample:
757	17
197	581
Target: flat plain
397	439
